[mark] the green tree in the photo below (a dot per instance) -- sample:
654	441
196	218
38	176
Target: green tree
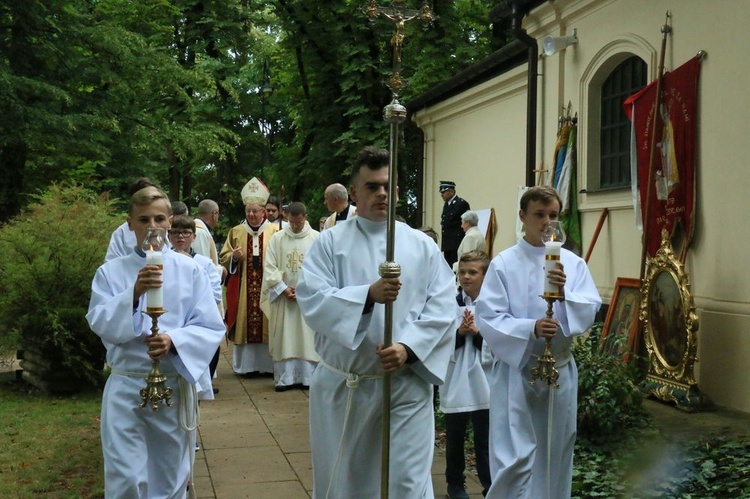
102	92
334	88
50	253
92	92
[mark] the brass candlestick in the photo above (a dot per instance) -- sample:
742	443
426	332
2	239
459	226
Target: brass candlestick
545	368
155	391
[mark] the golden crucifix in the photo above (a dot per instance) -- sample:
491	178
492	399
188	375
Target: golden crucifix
399	15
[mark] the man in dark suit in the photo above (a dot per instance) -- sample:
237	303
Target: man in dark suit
450	221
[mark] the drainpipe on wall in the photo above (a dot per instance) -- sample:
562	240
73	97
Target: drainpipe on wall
531	99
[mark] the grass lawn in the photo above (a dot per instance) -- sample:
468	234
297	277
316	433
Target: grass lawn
50	445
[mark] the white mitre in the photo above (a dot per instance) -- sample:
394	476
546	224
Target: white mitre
255	192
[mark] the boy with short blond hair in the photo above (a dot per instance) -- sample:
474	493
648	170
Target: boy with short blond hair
148	453
466	393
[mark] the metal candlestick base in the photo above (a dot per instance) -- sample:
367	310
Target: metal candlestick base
155	391
545	368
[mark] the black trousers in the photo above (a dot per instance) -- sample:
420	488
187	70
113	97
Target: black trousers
214	363
455	433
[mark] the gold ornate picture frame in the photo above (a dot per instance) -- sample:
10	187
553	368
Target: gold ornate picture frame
670	326
622	324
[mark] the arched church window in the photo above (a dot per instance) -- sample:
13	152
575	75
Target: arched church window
626	78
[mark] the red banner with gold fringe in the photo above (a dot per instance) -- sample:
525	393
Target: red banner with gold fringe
674	123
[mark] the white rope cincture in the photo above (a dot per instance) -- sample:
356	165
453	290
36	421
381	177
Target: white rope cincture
352	382
550	419
188	419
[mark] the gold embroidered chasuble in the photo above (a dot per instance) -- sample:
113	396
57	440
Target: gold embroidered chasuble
248	324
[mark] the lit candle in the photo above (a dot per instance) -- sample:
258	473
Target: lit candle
155	296
551	257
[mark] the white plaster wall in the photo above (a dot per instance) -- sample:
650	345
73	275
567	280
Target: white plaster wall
723	347
472	140
478	140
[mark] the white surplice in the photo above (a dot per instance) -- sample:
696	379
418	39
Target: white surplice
522	443
290	339
121	243
205	385
146	453
214	277
346	390
466	388
204	243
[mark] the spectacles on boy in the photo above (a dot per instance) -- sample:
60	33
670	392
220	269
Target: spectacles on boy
180	233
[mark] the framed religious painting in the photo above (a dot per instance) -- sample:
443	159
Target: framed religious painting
622	324
670	326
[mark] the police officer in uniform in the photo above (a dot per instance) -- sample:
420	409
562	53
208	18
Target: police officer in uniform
450	221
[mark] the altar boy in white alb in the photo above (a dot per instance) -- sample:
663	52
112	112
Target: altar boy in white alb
533	428
147	453
342	298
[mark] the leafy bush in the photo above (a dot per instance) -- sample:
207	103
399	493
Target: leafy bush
648	464
609	400
50	254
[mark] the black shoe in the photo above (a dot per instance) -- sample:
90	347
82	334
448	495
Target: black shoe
216	391
457	491
284	388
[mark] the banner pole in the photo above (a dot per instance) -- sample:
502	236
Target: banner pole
595	237
665	30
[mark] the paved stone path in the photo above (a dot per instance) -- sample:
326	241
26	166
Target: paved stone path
255	443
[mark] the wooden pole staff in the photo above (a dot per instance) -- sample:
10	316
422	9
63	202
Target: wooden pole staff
665	30
595	237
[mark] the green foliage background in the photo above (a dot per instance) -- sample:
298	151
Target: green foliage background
50	254
102	92
609	400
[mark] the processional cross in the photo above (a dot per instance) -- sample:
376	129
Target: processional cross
399	14
394	114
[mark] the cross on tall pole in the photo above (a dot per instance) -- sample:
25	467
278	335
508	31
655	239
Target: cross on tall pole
399	14
393	114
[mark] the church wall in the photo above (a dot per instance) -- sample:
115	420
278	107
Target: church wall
723	347
473	142
492	137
